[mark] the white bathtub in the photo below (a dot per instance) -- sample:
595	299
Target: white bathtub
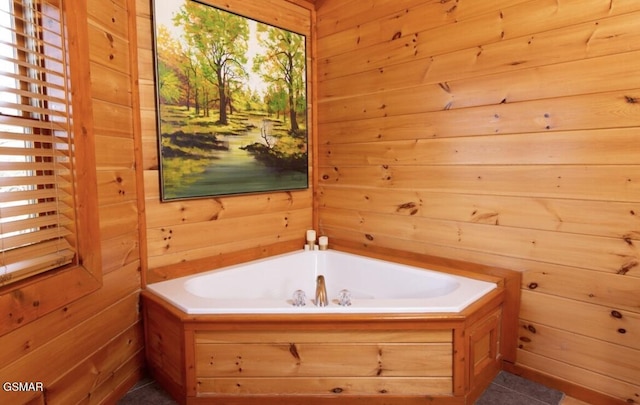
267	286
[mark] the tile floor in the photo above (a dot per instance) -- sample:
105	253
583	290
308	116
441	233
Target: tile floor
509	389
506	389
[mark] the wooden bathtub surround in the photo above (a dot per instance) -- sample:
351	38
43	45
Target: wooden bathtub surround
507	279
329	358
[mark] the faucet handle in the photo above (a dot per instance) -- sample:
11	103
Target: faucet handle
299	298
344	298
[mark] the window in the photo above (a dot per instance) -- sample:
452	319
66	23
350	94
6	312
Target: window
49	232
37	220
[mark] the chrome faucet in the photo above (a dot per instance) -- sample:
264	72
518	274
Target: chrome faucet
321	292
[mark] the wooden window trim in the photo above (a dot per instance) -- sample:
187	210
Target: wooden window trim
29	299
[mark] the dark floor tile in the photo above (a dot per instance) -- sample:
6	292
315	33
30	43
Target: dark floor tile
531	389
500	395
147	392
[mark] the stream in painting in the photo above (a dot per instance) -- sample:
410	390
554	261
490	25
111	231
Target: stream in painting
229	171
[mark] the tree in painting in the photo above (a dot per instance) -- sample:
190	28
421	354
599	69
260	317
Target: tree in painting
283	66
231	103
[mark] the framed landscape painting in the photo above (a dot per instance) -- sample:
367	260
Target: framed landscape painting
231	103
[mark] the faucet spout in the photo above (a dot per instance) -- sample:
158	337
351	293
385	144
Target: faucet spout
321	292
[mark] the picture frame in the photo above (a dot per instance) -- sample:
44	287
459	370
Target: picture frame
231	97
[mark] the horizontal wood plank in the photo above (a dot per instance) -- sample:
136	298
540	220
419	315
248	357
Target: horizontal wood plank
354	336
109	50
595	355
96	331
209	210
612	255
615	325
280	13
595	147
283	225
537	44
617	220
610	290
90	377
602	383
324	360
327	386
599	183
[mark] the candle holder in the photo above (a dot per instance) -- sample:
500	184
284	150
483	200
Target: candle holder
323	243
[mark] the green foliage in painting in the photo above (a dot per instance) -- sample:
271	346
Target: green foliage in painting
232	103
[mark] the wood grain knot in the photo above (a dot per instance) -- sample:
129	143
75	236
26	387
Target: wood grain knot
294	351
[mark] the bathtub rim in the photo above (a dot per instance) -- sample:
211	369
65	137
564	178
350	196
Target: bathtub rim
426	262
319	319
451	302
329	318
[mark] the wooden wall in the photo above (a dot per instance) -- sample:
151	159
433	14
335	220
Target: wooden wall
91	350
503	132
194	235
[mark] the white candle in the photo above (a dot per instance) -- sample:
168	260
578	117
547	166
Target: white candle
323	240
311	235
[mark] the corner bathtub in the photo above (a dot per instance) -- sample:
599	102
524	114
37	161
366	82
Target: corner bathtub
410	336
267	286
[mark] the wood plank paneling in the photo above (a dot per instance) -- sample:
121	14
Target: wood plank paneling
608	290
596	253
194	231
111	49
595	355
600	383
194	236
513	143
36	334
324	360
618	220
90	377
585	182
615	325
70	351
594	147
361	386
368	336
610	34
90	350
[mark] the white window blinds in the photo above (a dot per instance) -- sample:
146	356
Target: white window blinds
37	224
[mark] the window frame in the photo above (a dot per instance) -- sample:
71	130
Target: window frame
26	300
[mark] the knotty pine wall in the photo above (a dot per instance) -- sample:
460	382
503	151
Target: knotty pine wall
194	235
91	350
503	132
